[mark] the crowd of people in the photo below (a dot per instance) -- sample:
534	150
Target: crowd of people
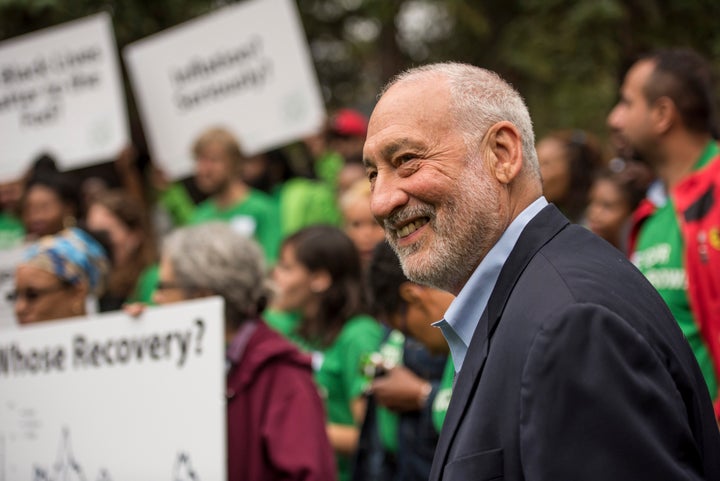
335	262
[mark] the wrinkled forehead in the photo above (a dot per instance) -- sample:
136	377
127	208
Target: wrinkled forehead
430	92
410	107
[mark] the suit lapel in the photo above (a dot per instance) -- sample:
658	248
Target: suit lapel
465	384
539	231
543	227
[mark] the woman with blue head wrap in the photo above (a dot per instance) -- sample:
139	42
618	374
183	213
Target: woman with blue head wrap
57	274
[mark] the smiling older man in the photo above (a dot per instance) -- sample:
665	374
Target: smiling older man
570	365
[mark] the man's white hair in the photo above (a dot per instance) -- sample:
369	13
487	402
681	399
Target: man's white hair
480	98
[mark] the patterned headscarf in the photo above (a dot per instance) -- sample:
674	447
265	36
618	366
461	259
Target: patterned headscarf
73	256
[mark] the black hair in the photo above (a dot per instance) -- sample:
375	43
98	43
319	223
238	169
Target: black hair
685	77
632	183
584	156
62	184
383	280
327	248
101	237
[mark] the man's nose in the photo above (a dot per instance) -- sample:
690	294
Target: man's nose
614	118
387	195
21	306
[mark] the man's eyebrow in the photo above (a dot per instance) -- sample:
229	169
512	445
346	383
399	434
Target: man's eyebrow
392	148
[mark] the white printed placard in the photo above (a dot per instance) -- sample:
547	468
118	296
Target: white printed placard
9	259
245	67
112	397
61	93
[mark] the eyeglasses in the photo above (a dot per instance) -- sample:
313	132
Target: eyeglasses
32	294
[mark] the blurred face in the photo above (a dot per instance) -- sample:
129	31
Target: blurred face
294	282
168	290
10	194
362	228
347	146
41	296
608	211
43	212
124	241
631	117
554	168
425	306
214	169
349	174
439	207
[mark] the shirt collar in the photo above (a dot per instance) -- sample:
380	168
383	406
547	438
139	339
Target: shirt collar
464	313
239	342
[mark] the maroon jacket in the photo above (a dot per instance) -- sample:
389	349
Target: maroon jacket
276	419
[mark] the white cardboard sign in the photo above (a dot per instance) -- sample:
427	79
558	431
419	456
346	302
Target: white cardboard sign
245	67
111	397
9	259
61	93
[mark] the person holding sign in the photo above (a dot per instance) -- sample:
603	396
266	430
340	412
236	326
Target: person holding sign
218	163
56	276
276	421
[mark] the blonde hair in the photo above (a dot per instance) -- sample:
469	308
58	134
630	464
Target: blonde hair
359	190
219	135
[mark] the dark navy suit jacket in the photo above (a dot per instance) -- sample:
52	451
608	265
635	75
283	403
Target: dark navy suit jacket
576	371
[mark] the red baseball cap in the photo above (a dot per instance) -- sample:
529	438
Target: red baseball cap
349	122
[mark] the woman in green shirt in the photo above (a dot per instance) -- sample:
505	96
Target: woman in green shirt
319	277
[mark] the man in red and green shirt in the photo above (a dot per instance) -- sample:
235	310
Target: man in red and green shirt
666	114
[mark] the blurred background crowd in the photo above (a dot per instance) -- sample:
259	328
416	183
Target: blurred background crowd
287	237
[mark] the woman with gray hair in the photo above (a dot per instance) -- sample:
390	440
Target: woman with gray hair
276	421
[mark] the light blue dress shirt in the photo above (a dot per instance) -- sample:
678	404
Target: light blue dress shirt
464	313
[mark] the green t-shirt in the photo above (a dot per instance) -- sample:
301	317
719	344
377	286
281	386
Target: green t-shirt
146	284
442	398
387	421
286	323
338	374
12	231
328	167
659	256
177	203
255	216
337	368
303	202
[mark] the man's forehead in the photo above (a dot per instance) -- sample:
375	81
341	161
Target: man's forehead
639	73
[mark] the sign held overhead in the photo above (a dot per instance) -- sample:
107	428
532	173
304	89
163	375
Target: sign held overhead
61	93
245	67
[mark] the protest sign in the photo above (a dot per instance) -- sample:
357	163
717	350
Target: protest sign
61	93
113	397
9	259
245	67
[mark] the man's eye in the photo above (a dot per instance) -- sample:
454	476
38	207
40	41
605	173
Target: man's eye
404	158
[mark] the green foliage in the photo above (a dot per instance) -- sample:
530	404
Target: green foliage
566	56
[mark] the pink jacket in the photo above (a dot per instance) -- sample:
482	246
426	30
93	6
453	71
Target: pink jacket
276	419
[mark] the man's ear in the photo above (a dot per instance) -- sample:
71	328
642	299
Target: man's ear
664	114
505	143
320	281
